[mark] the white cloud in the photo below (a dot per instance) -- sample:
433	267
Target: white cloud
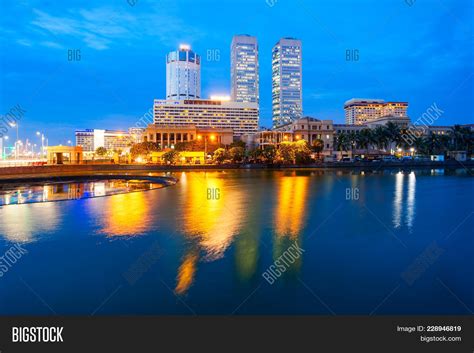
99	28
51	45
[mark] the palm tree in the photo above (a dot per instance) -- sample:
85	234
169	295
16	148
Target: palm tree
393	133
460	137
364	139
420	146
380	137
436	144
318	146
342	142
352	137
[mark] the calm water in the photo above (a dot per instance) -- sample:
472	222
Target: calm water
382	243
60	191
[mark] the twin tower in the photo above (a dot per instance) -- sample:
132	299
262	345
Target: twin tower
183	76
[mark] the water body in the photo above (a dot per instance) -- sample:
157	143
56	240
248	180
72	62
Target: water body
11	194
345	242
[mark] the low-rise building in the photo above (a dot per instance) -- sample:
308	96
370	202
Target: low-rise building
308	129
169	135
64	154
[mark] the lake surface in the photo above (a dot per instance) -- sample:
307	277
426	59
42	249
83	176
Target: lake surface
383	242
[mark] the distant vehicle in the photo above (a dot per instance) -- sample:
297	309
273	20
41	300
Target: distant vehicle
389	159
346	159
437	158
357	159
407	158
421	158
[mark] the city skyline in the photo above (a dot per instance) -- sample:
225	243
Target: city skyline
122	70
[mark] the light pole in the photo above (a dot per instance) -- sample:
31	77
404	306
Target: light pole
4	155
17	138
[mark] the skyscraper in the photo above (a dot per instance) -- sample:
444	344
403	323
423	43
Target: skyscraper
183	74
244	69
287	95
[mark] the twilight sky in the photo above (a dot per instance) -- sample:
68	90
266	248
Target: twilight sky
421	53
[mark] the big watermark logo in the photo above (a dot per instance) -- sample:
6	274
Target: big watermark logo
283	262
422	124
10	258
11	118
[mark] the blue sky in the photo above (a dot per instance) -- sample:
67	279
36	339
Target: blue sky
421	53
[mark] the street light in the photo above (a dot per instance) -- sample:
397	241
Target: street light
42	142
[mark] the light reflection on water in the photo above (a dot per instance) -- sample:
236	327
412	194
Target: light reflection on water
256	217
404	207
60	191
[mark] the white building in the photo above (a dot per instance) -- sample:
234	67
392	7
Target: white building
183	74
359	111
244	69
287	87
112	140
203	113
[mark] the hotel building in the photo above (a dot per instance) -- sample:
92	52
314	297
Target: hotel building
183	74
91	139
244	69
287	98
241	117
361	111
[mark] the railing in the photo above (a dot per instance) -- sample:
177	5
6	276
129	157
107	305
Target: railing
22	163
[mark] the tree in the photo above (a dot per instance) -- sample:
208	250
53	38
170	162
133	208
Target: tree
237	154
342	142
101	151
318	146
181	146
255	154
364	139
144	148
171	157
380	137
220	155
238	143
302	152
286	153
420	146
268	153
393	133
461	137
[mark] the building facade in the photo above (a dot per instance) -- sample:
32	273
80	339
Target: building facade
167	136
206	113
183	74
287	87
244	74
307	128
112	140
361	111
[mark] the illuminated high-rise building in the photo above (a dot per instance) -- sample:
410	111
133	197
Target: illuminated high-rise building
287	88
244	69
359	111
183	74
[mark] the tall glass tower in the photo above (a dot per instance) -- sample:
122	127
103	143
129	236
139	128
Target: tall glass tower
183	74
287	95
244	69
